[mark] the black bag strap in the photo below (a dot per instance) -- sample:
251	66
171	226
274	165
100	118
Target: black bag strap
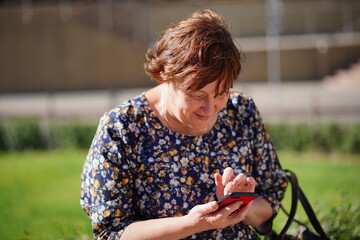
297	193
311	214
291	176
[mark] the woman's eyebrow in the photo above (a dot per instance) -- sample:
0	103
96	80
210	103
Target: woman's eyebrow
199	92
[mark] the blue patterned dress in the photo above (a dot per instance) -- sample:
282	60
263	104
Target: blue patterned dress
138	169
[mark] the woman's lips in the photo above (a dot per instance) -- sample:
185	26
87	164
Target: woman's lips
202	117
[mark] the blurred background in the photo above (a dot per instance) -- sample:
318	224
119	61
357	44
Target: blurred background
78	58
63	63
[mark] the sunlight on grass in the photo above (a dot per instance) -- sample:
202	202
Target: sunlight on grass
41	195
325	178
40	190
328	181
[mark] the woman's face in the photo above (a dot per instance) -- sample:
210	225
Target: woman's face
196	112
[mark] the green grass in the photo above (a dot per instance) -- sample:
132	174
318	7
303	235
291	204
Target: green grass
40	190
329	181
40	195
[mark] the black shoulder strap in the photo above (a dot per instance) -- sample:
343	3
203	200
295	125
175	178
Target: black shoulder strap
294	201
297	193
311	214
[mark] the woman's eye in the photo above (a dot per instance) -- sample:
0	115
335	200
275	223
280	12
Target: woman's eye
198	96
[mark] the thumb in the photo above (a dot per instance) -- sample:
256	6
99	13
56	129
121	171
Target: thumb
208	207
204	209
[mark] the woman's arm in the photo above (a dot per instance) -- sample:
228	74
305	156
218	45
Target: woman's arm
200	218
259	212
171	228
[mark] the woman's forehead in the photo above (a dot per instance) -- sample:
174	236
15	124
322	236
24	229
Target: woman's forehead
215	87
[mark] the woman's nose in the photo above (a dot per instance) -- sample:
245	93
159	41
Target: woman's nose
209	106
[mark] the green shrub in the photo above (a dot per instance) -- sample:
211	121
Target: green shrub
2	138
71	135
343	222
328	137
351	139
302	138
278	133
325	137
22	134
340	223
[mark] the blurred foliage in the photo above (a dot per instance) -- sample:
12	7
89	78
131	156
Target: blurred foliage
340	222
343	222
21	134
324	137
71	135
329	182
32	133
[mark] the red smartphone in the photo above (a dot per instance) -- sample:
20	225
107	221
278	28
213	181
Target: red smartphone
245	197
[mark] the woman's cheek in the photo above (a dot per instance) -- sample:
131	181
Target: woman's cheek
192	105
222	104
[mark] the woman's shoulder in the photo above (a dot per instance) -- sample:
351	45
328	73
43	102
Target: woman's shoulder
240	98
240	102
129	111
242	108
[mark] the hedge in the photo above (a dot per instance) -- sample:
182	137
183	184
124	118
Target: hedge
21	134
321	137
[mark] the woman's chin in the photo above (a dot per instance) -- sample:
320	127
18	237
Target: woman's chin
202	128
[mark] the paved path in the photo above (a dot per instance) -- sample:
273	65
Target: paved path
304	101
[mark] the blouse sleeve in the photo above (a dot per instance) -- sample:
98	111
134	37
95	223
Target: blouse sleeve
106	182
271	179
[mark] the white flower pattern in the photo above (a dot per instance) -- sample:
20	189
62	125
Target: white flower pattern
138	169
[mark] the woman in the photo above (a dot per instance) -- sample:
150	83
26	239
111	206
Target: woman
159	162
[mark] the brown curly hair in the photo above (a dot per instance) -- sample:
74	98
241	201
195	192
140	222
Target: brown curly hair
195	52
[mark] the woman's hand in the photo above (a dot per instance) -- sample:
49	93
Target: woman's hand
227	183
207	216
200	218
258	211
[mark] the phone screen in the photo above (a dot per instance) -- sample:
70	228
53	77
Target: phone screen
245	197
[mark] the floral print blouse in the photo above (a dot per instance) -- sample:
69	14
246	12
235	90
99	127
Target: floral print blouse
138	169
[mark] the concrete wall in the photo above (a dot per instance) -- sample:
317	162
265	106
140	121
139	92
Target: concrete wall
77	46
299	65
49	54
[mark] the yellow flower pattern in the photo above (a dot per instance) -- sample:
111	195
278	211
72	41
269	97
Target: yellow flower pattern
138	169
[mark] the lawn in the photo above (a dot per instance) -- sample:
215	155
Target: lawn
40	190
331	183
40	196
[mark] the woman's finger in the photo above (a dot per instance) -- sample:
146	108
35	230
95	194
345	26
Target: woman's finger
219	187
251	184
240	180
228	176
